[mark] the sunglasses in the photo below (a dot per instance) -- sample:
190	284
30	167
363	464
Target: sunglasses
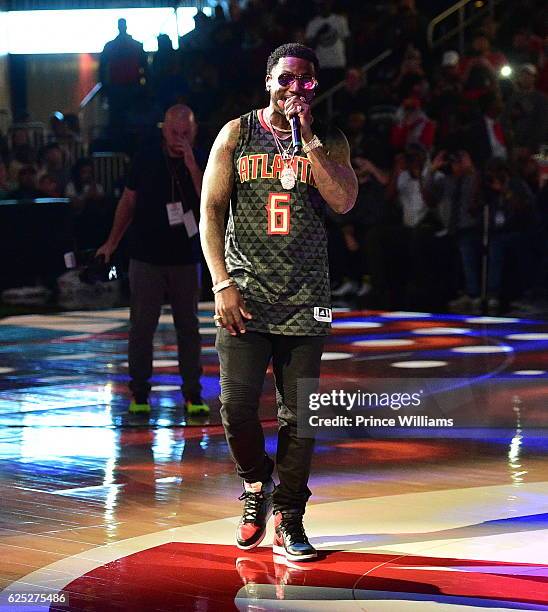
305	80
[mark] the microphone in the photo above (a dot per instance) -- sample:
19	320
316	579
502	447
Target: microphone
296	132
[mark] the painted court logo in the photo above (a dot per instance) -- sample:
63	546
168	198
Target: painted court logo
322	314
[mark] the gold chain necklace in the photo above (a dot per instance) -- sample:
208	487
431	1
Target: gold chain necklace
288	177
271	125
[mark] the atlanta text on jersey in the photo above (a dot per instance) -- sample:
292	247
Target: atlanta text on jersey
264	166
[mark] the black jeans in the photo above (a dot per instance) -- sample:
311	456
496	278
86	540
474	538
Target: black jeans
244	360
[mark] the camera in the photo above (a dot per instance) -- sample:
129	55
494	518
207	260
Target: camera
92	269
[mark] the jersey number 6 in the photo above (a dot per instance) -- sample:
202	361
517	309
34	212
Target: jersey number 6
278	213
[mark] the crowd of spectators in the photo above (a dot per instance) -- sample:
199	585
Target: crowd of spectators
446	147
437	137
71	210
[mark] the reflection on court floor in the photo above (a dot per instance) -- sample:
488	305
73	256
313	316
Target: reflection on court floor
119	512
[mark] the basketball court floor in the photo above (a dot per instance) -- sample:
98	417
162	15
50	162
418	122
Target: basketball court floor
103	511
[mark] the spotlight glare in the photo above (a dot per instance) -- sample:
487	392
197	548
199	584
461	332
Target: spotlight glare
87	30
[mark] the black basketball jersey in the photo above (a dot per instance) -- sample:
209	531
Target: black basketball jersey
276	241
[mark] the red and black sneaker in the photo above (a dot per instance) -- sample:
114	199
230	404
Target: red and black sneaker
290	538
257	498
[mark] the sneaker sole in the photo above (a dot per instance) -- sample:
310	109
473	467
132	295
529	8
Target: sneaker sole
283	560
280	550
255	544
139	410
195	412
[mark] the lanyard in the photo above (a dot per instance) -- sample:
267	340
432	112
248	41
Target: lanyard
174	180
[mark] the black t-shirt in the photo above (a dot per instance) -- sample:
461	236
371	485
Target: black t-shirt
151	238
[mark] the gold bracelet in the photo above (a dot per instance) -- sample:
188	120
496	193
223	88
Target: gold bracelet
313	143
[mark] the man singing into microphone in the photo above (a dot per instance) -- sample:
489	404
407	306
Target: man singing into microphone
271	283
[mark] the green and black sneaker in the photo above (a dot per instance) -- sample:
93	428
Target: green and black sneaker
139	405
195	406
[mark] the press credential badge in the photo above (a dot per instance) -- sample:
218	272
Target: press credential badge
190	223
175	213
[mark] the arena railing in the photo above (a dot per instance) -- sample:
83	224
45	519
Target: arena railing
35	129
456	20
109	169
38	135
92	115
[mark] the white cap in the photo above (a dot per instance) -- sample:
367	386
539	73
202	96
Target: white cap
530	68
450	58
